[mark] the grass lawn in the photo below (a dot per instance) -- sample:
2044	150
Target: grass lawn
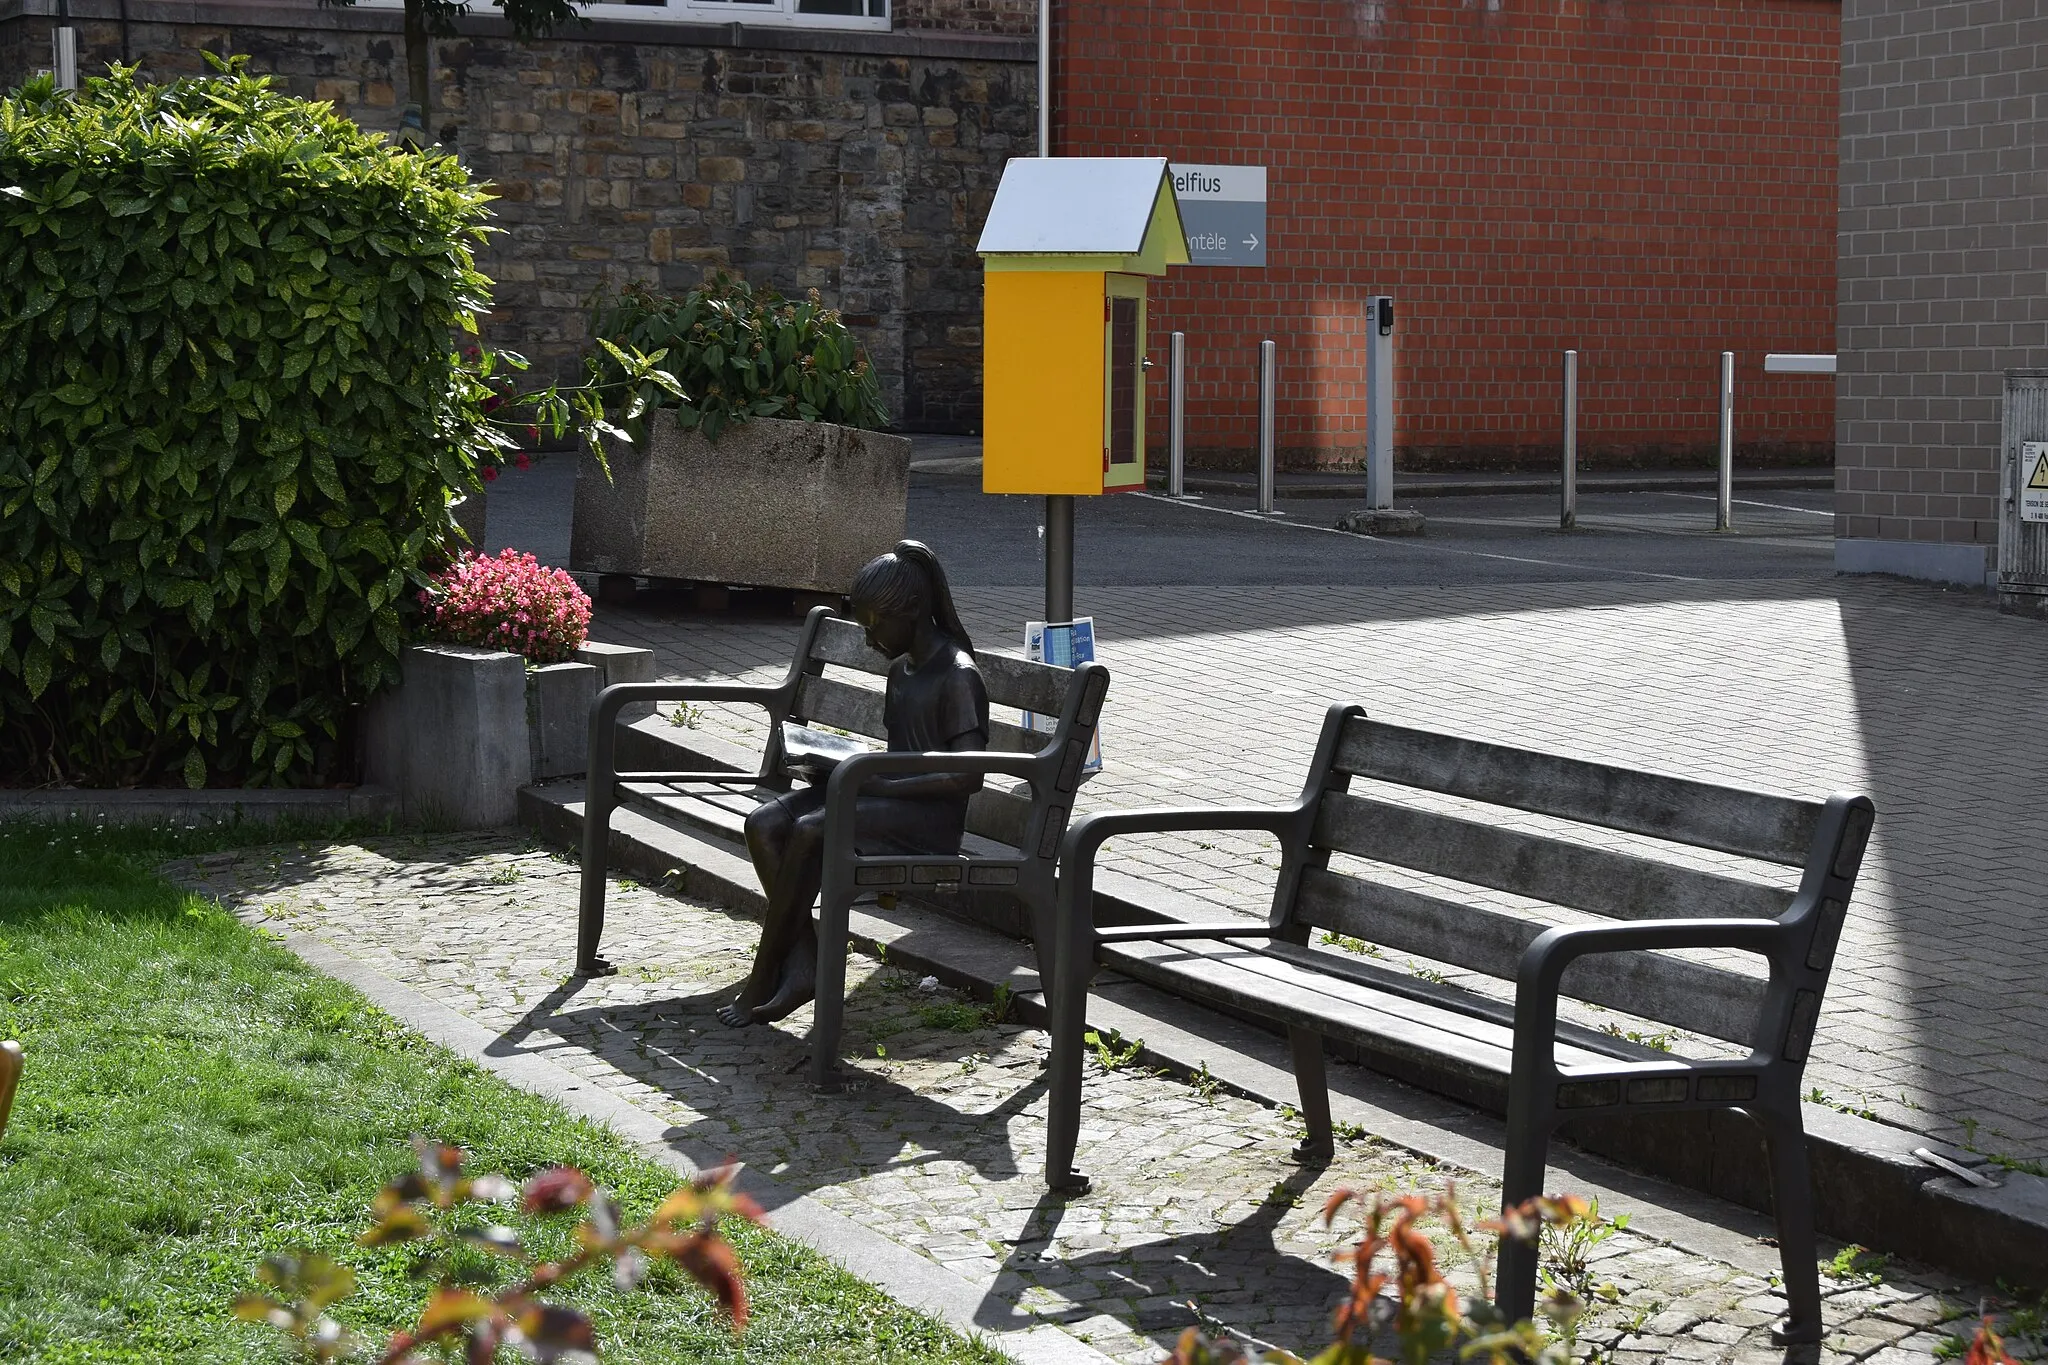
196	1098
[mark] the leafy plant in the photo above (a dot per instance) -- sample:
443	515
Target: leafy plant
511	602
1111	1052
1425	1314
735	352
463	1311
231	422
1853	1262
1568	1248
1987	1348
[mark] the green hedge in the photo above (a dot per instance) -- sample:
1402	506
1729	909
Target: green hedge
230	419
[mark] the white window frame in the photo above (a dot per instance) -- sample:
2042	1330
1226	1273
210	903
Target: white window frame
764	13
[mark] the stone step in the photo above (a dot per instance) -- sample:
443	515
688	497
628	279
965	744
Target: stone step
1869	1186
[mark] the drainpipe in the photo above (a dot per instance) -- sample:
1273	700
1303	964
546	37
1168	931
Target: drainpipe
1045	77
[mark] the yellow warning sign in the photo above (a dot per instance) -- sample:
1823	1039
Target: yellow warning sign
2034	487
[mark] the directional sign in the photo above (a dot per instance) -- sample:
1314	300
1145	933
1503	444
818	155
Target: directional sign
1223	209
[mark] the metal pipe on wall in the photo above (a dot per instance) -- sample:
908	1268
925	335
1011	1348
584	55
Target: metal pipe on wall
1177	415
1568	494
1724	504
64	57
1269	368
1045	77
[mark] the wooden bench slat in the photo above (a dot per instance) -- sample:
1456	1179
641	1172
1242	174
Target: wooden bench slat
1753	824
1601	881
1337	1008
827	701
1670	990
1011	681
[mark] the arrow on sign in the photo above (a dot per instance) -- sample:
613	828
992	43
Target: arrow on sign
1252	242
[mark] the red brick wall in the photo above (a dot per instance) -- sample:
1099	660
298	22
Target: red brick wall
1652	183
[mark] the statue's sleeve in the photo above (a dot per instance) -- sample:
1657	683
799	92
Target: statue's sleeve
963	706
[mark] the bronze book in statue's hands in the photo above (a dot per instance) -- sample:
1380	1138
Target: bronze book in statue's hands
813	754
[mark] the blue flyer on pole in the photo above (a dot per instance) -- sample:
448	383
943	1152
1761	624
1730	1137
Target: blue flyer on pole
1065	644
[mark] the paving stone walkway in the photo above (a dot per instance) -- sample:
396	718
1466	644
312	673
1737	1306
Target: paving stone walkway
1928	700
938	1146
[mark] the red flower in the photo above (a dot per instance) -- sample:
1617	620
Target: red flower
522	461
490	473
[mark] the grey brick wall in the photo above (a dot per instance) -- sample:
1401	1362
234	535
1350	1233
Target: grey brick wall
860	164
1943	279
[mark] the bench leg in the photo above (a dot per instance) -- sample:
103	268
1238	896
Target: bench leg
1522	1179
1069	995
597	822
828	1011
1314	1087
1792	1202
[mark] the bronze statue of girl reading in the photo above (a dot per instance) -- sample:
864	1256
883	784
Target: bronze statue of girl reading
935	701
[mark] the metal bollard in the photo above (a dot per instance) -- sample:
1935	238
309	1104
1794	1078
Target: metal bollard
1568	497
1269	365
1724	505
1177	416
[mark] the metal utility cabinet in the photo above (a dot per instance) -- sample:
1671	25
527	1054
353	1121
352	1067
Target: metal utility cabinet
2023	510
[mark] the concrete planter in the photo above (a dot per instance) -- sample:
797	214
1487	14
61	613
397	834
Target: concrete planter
771	503
467	727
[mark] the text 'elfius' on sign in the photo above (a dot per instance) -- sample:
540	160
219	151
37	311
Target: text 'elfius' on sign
1223	209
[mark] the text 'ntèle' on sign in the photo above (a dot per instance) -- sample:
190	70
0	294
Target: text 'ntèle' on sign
1223	209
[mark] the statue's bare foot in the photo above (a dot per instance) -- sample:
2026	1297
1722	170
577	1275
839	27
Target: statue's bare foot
736	1015
799	984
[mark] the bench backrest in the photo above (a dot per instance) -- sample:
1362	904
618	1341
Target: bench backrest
1477	851
1039	688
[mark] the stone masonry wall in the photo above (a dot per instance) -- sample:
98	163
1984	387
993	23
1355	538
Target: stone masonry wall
1017	18
858	164
1943	272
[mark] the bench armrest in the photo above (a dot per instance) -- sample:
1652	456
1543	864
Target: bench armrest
1075	915
1089	833
607	704
842	789
1544	962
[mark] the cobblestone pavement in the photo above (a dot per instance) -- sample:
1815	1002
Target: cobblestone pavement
938	1144
1928	700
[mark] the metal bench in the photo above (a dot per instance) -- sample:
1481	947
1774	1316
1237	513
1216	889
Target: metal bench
1013	836
1451	810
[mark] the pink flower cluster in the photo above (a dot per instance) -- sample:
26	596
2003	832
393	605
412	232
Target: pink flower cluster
509	602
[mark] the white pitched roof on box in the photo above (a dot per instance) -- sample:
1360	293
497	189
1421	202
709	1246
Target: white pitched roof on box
1081	205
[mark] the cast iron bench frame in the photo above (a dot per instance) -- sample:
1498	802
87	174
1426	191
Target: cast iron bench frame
1012	844
1317	994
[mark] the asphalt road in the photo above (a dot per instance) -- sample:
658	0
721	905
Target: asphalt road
1218	541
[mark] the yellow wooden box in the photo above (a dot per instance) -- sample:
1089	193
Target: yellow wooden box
1068	247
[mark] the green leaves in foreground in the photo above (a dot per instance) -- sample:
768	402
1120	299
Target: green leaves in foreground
231	422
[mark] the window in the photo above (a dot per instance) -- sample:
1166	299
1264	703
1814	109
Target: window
868	14
856	14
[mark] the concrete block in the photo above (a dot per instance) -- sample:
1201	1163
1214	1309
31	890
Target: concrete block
771	503
558	698
452	737
1383	521
621	664
617	663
